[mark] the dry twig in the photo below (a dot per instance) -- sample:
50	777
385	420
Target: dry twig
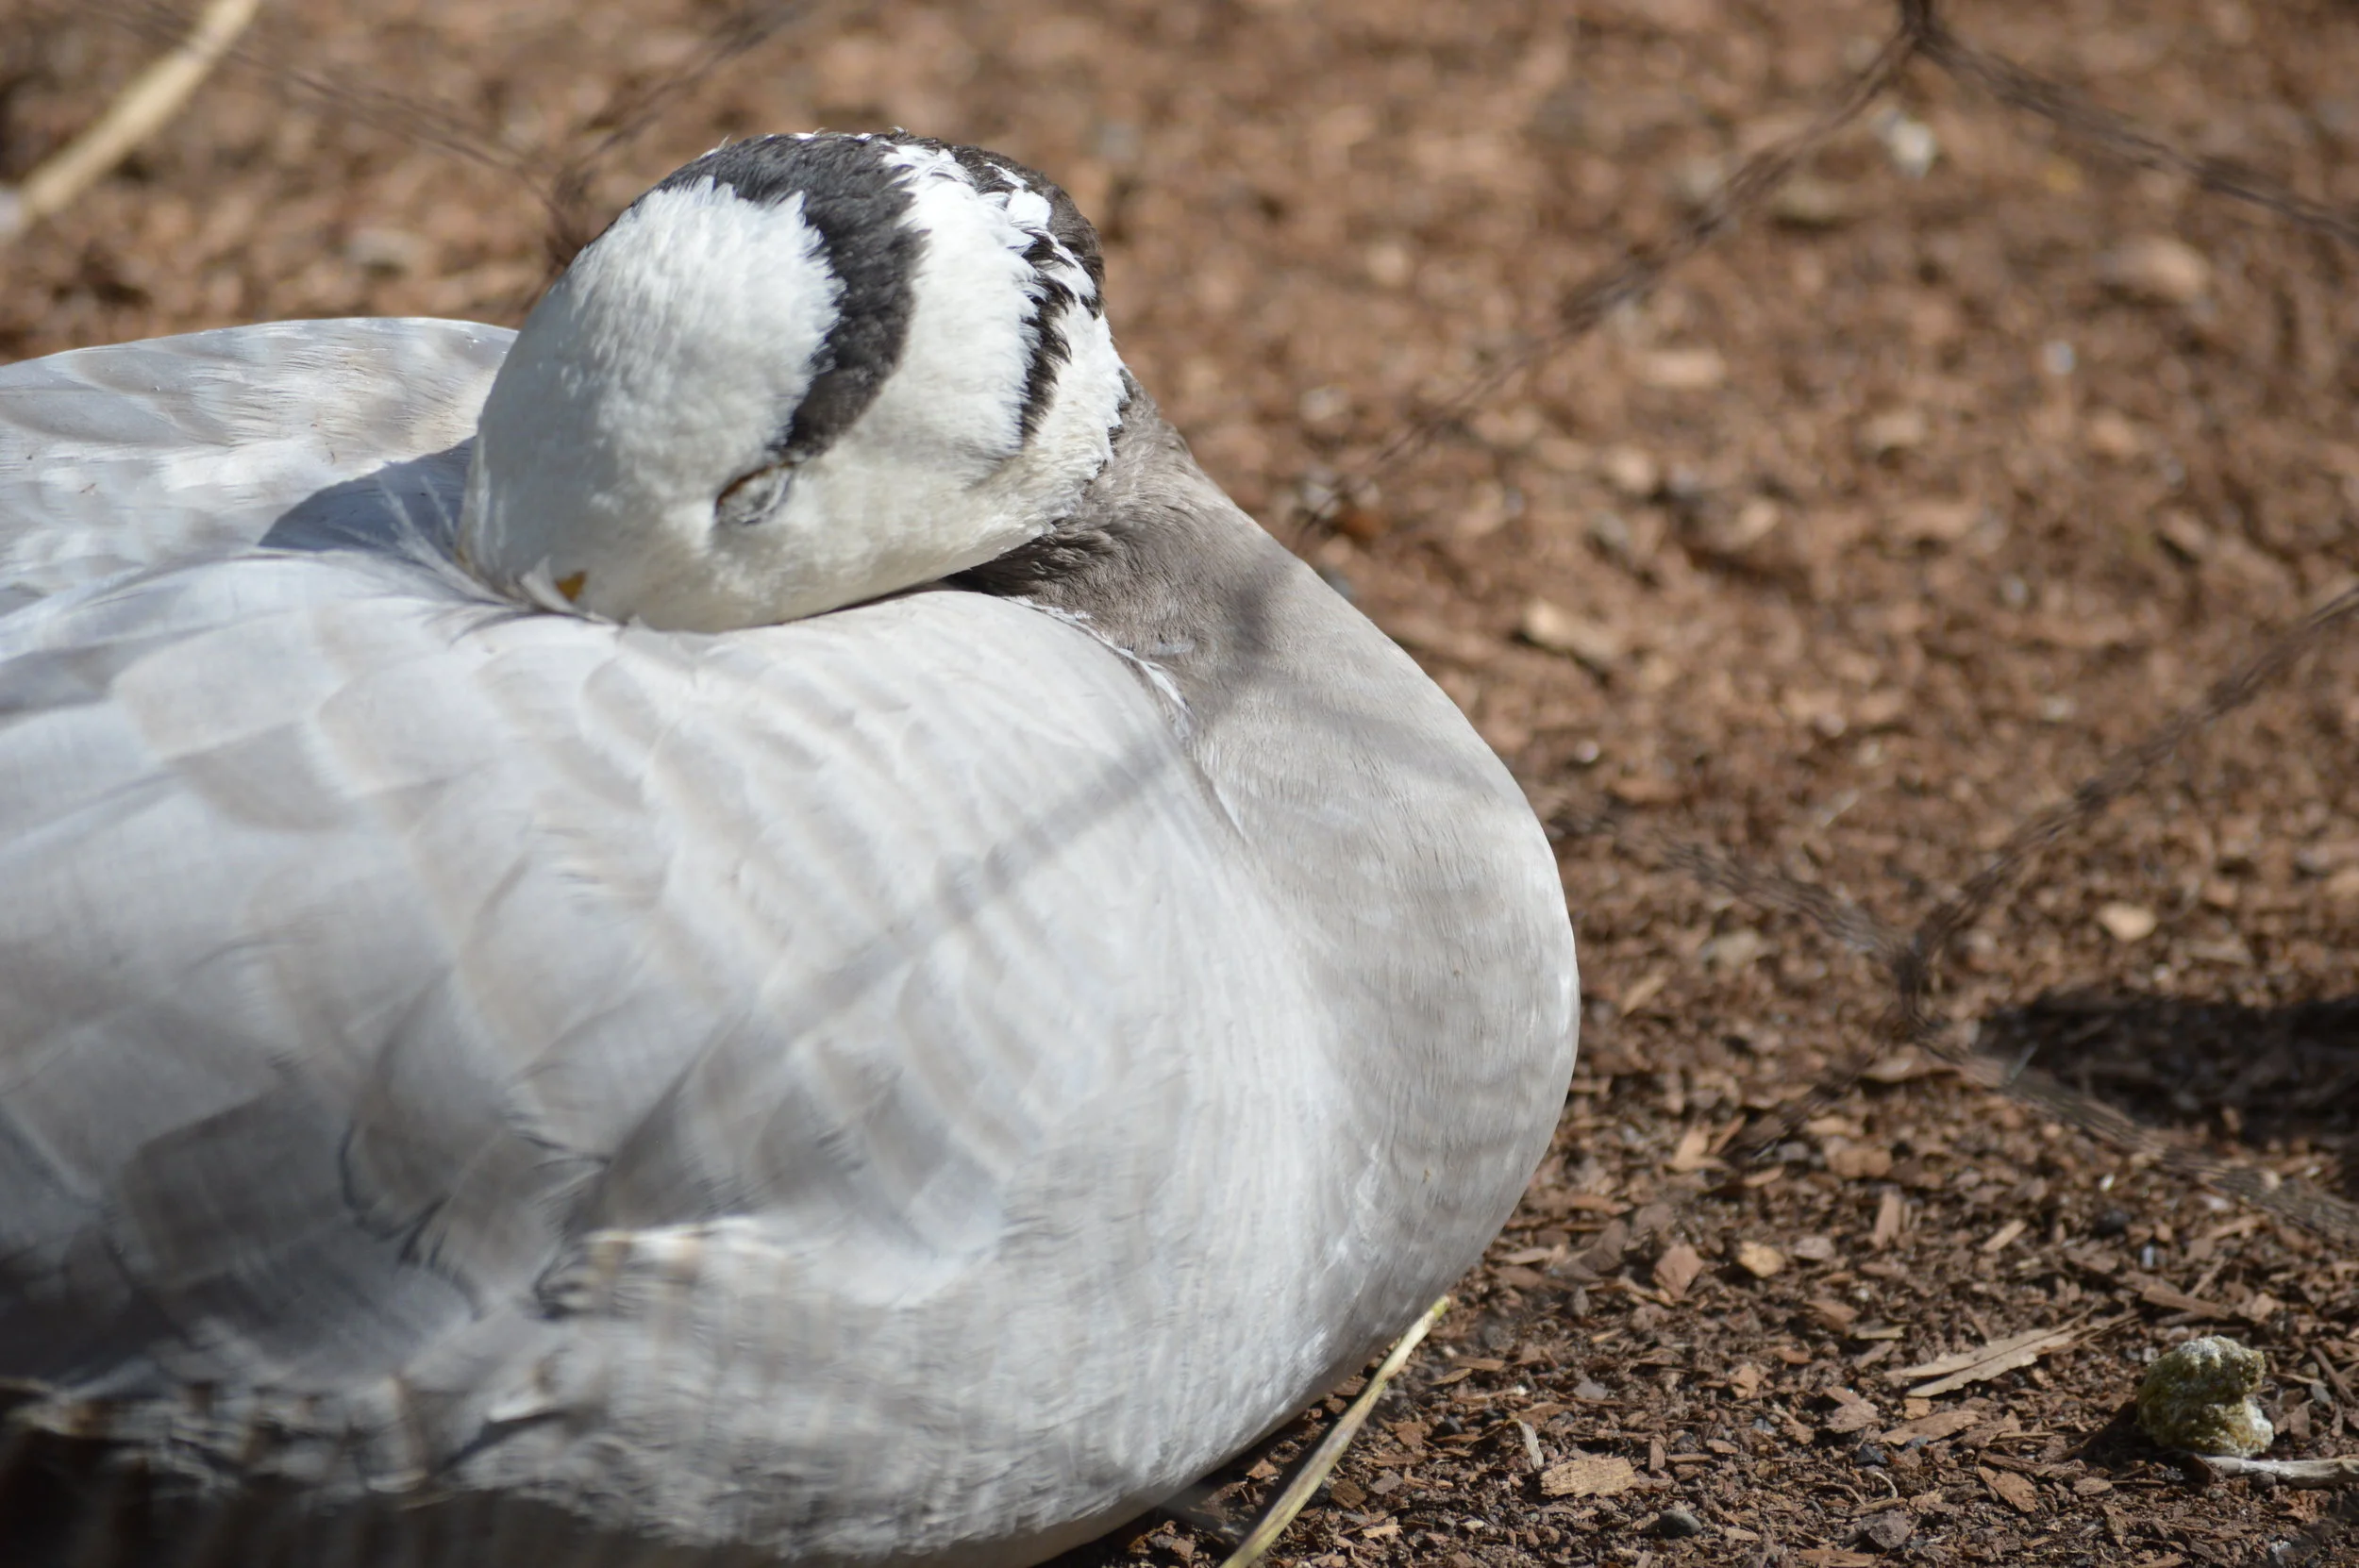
2312	1473
565	196
153	97
1329	1451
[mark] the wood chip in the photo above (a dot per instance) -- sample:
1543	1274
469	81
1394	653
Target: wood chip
1932	1428
2006	1233
1927	521
1834	1557
1588	1477
1604	1254
1760	1260
2155	1293
1988	1361
2128	922
1894	431
1833	1313
1695	1150
1649	985
1632	471
1891	1210
1812	201
1905	1066
2158	269
1677	1269
1887	1531
1682	369
2019	1493
1533	1454
2335	1381
1745	1381
1854	1417
1990	1432
1859	1161
1550	625
1650	1220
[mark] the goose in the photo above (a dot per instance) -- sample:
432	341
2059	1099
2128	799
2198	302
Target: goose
751	925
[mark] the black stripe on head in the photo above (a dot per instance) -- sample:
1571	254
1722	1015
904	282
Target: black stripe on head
1070	239
1066	225
1051	351
857	204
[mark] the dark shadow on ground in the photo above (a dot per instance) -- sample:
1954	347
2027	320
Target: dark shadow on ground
2264	1076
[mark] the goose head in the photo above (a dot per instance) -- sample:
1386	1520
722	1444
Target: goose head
802	372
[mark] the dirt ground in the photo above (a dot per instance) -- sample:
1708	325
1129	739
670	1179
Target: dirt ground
1877	528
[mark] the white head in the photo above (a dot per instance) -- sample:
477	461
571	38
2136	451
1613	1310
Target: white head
800	373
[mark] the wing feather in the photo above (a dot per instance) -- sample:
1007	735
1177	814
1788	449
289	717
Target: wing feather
653	1073
308	433
367	953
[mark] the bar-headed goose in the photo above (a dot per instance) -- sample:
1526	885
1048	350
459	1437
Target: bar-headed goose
806	947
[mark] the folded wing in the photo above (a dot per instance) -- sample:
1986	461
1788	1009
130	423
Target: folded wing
140	454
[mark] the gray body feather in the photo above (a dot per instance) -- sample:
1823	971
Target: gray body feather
481	1086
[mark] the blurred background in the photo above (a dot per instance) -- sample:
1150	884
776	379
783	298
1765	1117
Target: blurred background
1878	526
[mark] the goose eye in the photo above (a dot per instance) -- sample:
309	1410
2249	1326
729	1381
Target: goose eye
752	497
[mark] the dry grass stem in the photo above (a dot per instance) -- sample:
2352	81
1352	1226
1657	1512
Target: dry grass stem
1329	1451
153	97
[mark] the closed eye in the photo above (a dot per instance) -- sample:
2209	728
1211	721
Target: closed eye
751	498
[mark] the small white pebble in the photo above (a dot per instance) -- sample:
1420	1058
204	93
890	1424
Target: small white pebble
2128	922
1909	143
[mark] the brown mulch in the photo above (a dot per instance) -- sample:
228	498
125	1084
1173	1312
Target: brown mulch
1877	528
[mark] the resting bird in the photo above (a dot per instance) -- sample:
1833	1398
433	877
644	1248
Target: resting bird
749	925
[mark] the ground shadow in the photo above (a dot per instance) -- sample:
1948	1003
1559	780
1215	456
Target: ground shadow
2280	1075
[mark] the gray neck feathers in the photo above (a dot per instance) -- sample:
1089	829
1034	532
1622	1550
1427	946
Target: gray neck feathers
1406	855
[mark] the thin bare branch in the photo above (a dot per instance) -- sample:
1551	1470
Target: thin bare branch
2317	1474
153	96
1329	1451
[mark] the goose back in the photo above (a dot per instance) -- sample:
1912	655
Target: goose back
913	1085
